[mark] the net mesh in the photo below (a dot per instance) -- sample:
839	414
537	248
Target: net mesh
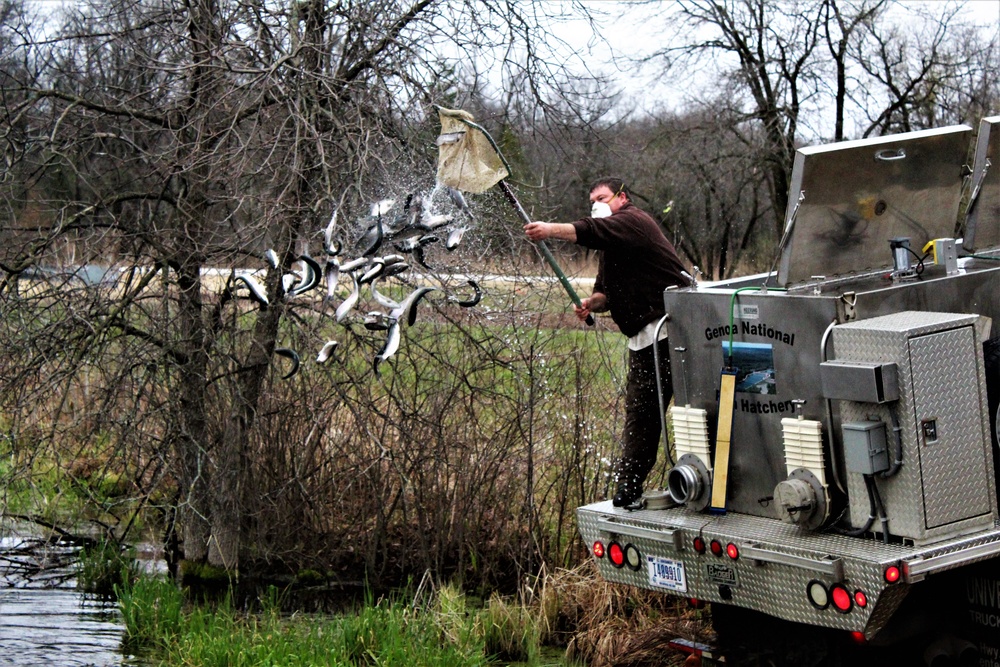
467	159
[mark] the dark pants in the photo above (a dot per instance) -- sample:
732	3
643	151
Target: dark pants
641	438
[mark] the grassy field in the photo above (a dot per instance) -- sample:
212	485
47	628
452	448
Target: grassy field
567	619
511	405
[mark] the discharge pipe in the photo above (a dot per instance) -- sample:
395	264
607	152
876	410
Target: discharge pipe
684	484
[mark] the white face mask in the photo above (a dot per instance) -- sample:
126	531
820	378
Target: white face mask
600	209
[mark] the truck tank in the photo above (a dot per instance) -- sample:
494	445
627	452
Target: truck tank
834	421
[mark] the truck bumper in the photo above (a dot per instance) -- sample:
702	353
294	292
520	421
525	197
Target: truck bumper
823	579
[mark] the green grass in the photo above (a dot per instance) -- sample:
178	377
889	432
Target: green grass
152	611
509	631
38	481
104	566
448	633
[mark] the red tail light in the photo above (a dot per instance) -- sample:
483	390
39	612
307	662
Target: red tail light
892	574
716	547
616	554
858	637
840	598
598	549
699	545
860	598
732	551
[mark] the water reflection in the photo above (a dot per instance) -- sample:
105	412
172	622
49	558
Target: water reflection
44	619
58	626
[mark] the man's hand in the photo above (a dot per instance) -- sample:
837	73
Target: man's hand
539	231
596	303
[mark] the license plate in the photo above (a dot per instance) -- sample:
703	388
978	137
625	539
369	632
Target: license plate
666	573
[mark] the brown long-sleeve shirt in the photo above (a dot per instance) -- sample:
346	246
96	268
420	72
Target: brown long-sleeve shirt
636	264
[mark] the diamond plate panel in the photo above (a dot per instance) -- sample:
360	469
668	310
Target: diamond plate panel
939	490
946	398
772	587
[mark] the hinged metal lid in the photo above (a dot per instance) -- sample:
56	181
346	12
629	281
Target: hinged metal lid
860	194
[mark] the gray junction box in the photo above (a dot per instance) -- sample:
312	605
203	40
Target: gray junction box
865	450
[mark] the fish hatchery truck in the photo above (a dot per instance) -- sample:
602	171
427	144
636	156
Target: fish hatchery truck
833	490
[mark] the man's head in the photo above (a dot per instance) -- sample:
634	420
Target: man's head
610	191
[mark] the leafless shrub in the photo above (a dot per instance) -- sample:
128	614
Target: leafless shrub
466	455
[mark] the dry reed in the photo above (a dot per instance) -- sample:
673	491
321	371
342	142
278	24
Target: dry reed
613	625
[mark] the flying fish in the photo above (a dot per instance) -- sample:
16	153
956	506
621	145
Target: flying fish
257	292
354	264
376	321
380	208
332	275
348	303
326	351
331	247
408	307
458	199
375	270
372	239
449	138
390	347
475	299
310	277
455	237
293	356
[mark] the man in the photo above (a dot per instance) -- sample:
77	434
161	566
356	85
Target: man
636	264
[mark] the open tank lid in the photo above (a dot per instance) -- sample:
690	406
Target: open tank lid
857	195
982	222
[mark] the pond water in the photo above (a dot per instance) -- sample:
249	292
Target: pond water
58	626
44	619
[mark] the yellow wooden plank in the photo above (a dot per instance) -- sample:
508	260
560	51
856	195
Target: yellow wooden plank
720	467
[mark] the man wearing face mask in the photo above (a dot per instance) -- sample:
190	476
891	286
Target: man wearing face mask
636	263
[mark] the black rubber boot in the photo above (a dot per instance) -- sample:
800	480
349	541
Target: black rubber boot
628	493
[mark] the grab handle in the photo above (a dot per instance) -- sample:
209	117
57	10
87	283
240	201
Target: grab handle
890	154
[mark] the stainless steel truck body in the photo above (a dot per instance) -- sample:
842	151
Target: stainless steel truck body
861	448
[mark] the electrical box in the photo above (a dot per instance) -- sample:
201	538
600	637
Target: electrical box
865	450
859	381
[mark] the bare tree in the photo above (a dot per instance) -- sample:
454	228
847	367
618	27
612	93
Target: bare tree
767	51
840	31
172	143
705	189
934	70
879	72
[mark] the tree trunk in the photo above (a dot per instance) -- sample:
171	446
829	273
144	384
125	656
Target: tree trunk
192	447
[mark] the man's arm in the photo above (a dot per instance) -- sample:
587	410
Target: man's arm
539	231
